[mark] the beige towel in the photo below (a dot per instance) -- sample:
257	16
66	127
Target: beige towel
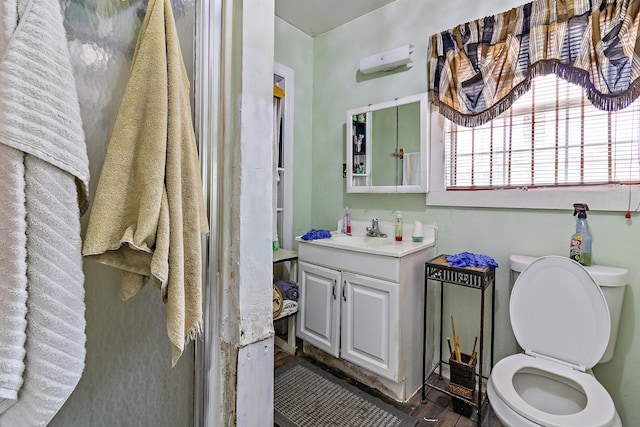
148	212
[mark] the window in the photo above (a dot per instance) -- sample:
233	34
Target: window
551	136
551	140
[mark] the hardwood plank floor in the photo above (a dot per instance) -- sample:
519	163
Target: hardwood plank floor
435	411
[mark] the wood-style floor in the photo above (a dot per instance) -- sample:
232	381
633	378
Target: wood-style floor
435	411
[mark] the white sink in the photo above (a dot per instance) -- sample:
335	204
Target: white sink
378	257
364	241
386	246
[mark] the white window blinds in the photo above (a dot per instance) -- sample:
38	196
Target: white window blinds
551	136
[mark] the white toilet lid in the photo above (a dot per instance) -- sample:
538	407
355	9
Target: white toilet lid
599	411
558	310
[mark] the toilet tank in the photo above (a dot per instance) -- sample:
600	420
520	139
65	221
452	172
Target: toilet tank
611	280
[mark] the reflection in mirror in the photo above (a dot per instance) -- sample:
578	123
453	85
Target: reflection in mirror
387	147
396	153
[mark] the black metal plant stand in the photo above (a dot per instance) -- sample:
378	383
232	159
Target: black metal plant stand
472	277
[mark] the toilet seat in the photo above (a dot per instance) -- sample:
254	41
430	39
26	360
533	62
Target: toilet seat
560	317
558	310
600	410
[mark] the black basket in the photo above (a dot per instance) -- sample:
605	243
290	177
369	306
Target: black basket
462	383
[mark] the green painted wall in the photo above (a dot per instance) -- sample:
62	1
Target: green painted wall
338	86
294	49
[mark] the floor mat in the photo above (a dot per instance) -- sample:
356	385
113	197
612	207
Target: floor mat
307	396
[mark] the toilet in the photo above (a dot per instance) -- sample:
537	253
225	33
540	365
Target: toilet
565	317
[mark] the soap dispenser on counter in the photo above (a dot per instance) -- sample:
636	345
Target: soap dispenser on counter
417	235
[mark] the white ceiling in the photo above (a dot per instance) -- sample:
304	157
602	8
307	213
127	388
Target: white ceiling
318	16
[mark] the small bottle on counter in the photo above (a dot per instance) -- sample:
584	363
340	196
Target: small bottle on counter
398	226
346	222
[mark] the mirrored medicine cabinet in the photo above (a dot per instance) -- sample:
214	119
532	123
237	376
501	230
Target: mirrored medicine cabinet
387	146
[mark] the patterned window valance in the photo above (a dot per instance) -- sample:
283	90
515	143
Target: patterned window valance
478	69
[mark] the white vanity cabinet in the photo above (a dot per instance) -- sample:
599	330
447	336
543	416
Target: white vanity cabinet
318	291
360	311
350	316
369	324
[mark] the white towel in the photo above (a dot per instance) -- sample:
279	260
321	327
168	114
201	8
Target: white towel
55	348
13	251
40	116
38	98
13	274
288	307
411	169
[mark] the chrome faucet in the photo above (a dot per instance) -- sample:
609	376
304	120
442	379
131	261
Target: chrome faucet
374	231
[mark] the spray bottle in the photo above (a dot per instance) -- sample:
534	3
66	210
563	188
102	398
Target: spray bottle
580	249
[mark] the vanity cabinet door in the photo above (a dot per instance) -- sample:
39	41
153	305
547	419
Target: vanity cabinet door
318	320
370	324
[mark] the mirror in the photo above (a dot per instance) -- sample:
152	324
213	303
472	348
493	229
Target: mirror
386	147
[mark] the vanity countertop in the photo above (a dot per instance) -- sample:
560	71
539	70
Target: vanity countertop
387	246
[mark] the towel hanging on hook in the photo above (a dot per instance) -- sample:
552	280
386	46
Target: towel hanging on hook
153	128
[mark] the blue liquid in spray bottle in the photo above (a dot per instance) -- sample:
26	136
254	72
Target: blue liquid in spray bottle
580	248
